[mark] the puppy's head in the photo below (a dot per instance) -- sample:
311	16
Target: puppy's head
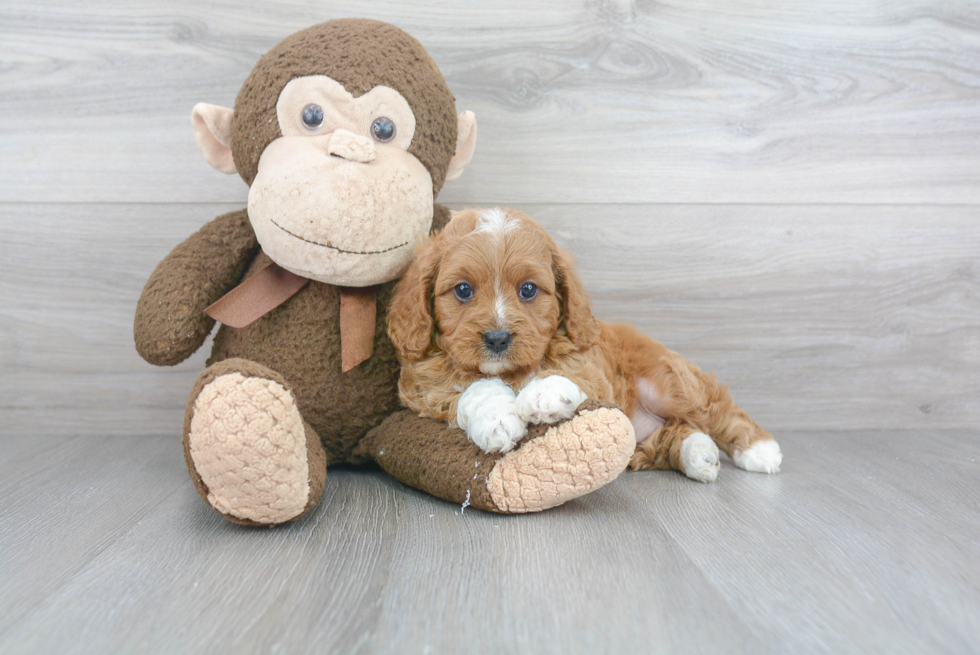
491	291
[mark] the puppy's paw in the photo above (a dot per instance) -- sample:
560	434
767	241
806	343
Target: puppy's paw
488	414
700	456
549	400
760	457
497	429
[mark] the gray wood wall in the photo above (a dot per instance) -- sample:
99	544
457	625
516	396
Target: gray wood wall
786	192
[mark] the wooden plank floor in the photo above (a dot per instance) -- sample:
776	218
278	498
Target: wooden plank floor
866	542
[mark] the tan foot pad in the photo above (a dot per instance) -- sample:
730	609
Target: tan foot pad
569	460
248	445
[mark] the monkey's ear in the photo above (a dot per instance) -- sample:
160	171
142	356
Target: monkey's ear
465	145
212	131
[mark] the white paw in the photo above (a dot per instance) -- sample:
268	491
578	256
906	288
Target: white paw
549	400
488	414
761	457
700	456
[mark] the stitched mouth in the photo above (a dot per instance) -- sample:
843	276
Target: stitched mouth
327	245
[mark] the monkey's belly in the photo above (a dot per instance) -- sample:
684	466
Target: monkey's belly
301	340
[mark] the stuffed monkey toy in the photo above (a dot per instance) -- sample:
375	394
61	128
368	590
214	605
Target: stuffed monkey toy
344	132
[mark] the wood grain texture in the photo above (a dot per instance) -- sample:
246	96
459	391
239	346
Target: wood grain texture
887	516
846	317
875	551
584	101
64	500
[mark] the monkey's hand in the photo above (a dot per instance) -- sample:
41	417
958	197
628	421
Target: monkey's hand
170	320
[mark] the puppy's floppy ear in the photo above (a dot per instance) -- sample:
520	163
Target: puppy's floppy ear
576	306
410	320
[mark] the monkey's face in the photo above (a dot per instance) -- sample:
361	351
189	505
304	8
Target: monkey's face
338	198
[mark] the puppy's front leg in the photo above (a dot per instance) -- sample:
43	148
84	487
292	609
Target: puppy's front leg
488	414
549	400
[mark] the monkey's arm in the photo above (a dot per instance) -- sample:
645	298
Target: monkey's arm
555	463
170	320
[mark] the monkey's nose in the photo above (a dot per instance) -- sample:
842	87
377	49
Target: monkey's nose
352	147
496	341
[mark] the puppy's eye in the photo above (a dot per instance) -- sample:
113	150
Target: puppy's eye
312	117
528	290
463	291
383	129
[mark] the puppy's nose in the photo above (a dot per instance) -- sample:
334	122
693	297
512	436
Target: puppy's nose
496	340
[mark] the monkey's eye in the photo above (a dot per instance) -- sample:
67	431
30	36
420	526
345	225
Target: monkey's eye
382	129
528	291
463	291
313	116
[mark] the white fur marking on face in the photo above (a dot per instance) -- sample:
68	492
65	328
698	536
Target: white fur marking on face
487	412
496	220
493	368
761	457
700	456
500	305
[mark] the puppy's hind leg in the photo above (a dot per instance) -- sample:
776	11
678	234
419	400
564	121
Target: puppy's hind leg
676	389
750	447
680	446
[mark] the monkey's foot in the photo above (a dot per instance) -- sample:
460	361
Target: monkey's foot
568	460
247	446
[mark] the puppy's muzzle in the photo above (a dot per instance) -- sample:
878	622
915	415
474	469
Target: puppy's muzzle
496	341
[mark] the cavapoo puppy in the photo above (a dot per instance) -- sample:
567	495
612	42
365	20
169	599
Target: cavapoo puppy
495	331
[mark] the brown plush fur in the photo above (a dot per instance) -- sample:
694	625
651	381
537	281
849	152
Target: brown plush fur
440	339
300	339
170	320
347	417
360	54
460	470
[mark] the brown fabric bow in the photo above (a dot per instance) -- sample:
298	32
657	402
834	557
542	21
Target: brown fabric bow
274	285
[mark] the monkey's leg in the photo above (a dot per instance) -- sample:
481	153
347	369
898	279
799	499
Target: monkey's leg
680	446
554	464
251	455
